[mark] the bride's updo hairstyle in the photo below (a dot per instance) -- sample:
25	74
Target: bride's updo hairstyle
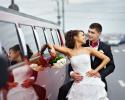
69	38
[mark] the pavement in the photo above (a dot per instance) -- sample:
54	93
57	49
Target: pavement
116	80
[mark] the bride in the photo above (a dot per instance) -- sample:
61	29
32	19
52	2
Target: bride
91	87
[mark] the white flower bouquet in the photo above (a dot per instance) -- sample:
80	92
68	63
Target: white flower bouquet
58	62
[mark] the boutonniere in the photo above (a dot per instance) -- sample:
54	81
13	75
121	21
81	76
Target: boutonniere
101	51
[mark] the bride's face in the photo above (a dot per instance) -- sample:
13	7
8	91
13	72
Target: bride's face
13	55
80	38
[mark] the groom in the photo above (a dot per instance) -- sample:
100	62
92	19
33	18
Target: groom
93	41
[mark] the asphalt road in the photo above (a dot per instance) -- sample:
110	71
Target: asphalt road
116	80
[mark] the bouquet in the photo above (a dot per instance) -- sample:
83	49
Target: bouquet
58	62
40	65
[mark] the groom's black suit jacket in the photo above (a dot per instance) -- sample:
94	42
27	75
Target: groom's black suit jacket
96	62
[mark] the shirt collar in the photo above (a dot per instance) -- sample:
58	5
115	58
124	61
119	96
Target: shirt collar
94	44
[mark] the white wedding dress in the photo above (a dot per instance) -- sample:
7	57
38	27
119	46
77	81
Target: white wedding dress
21	93
90	88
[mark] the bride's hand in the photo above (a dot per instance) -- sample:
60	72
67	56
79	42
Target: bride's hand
52	52
91	73
97	75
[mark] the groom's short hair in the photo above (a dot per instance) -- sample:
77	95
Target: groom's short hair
96	26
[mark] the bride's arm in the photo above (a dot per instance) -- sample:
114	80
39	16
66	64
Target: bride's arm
60	49
105	59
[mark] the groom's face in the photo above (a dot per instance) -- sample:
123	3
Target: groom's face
93	35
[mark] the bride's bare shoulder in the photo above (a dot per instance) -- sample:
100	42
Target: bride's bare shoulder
88	49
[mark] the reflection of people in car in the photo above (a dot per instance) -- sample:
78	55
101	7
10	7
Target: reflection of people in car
18	88
15	56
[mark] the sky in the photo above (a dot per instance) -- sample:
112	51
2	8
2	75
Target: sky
79	14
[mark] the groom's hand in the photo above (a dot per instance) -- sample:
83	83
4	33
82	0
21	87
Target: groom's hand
76	76
97	75
93	73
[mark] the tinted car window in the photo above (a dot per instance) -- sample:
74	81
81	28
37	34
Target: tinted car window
8	39
58	36
49	36
29	37
42	38
55	36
